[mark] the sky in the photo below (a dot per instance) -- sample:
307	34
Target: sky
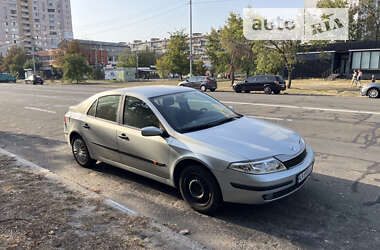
128	20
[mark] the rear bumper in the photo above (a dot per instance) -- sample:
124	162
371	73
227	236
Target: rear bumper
258	189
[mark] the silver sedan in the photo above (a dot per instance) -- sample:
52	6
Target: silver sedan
187	139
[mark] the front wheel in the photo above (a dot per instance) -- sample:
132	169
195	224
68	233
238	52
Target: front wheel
373	93
200	189
237	89
81	154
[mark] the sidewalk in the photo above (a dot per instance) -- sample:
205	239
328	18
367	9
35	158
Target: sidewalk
39	211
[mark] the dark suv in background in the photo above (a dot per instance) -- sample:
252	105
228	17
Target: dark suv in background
267	83
200	82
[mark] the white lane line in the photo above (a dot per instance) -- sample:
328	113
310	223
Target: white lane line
42	110
307	108
270	118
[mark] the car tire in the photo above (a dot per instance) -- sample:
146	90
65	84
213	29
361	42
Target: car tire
237	89
203	88
277	92
268	90
247	91
81	154
200	189
373	93
212	90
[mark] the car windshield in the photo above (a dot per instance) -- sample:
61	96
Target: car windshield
193	111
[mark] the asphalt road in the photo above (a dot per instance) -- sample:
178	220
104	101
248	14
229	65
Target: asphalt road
338	209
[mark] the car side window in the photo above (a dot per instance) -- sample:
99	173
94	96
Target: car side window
107	107
137	114
92	110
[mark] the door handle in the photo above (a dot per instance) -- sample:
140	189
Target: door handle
124	137
86	126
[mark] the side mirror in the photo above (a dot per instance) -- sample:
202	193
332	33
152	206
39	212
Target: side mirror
232	108
151	131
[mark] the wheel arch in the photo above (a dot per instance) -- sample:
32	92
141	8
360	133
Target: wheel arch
378	89
183	163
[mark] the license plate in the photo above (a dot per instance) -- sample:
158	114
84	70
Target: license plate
302	176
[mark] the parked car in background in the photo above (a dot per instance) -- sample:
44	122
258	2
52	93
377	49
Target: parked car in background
371	90
34	79
4	77
267	83
189	140
203	83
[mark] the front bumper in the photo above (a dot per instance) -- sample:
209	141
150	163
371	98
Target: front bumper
363	91
243	188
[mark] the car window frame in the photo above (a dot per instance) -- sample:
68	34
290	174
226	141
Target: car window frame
123	113
101	119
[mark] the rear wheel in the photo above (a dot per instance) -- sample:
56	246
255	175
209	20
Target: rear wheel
247	91
373	93
276	92
203	88
267	90
212	90
81	154
200	189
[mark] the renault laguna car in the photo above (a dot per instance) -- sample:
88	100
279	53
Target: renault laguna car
188	140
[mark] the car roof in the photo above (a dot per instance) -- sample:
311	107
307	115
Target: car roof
147	91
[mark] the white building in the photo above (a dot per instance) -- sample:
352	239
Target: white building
42	23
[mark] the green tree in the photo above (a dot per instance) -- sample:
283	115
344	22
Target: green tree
234	43
96	73
268	60
287	50
177	56
127	59
218	56
199	68
29	64
14	61
146	58
163	67
67	47
75	67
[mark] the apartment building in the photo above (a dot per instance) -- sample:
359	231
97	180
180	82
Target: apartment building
160	46
39	23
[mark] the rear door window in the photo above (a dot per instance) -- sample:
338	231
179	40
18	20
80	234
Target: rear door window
108	107
92	110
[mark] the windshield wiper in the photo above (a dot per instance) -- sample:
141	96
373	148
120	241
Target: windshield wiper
210	125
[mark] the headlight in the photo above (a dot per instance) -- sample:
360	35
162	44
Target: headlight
266	166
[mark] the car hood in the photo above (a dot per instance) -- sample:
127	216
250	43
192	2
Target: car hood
250	139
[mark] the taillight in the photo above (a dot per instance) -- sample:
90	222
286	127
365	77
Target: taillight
208	80
64	119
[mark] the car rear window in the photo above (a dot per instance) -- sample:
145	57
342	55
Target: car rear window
279	78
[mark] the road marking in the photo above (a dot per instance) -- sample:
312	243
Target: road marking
307	108
42	110
270	118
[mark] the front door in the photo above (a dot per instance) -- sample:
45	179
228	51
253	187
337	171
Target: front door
149	154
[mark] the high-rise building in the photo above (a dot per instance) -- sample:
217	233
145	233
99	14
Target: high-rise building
39	23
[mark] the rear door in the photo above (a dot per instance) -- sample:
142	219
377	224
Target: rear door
198	82
148	154
99	128
260	82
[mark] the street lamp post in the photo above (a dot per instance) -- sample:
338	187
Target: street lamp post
191	38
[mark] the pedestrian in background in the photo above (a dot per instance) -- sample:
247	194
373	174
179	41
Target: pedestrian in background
354	79
373	79
360	75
